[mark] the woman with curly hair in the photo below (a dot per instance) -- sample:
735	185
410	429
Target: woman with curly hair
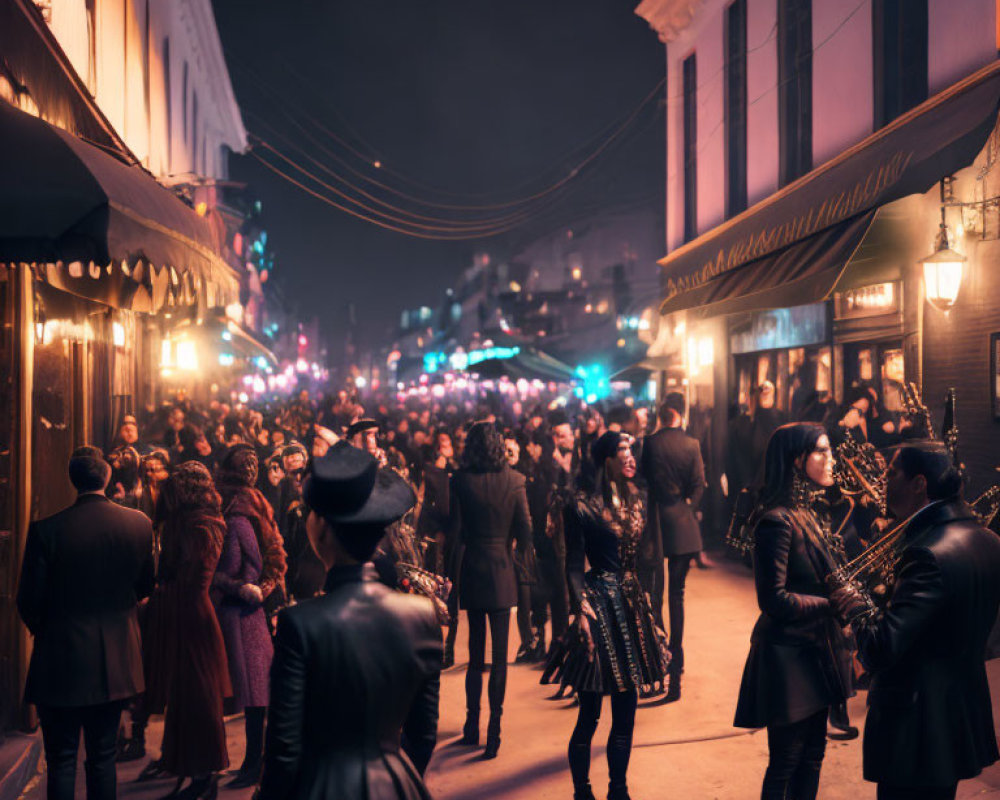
489	512
251	568
186	664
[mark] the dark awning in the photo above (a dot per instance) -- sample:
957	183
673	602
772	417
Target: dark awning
793	244
66	201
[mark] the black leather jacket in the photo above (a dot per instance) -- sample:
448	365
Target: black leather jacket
799	661
930	721
352	670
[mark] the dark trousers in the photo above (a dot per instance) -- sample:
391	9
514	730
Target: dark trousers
499	634
902	793
551	592
524	592
61	736
795	755
619	750
651	580
677	572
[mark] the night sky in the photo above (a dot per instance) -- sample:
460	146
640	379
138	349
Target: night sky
465	101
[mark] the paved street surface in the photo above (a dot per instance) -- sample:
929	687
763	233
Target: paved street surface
684	750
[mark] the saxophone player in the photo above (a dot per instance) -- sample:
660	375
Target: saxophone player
930	722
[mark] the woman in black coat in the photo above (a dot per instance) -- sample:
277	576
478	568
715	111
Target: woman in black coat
489	512
799	662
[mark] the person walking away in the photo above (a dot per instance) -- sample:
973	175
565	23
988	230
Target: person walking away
675	474
489	512
799	663
359	667
239	588
84	571
186	667
930	721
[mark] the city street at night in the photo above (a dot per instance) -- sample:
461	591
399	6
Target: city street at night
516	400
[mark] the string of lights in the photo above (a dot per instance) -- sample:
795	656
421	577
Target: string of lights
574	172
596	145
391	222
368	195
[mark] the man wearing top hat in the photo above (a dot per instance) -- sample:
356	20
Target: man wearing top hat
356	670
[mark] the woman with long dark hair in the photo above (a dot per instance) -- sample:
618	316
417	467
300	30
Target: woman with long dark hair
251	567
489	512
186	658
799	661
614	646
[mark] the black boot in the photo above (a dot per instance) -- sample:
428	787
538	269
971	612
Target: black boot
135	748
470	731
841	722
249	772
584	792
674	687
618	792
493	734
538	653
525	652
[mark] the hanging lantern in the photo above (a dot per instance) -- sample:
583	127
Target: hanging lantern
943	271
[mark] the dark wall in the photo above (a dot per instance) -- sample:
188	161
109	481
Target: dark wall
956	352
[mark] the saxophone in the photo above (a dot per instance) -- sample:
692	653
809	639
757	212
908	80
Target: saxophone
985	506
860	470
919	414
407	554
417	580
739	535
873	572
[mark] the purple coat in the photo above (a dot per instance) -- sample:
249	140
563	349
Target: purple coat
244	628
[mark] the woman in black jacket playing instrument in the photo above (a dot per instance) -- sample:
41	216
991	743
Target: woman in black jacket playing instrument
799	661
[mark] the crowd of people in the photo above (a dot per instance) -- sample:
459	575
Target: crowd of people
306	564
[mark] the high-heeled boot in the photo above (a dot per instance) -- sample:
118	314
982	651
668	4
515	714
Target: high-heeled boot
673	686
618	792
493	734
473	697
470	730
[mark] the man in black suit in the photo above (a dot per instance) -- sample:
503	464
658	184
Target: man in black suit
84	571
359	666
930	721
675	475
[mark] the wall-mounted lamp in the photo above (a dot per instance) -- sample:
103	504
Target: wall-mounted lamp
943	269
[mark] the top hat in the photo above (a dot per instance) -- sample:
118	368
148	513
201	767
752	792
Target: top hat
347	486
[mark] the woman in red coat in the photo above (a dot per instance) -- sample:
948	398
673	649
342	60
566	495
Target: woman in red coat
187	658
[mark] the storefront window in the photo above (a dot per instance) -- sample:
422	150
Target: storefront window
865	369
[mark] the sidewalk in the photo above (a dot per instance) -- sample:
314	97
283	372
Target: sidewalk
686	750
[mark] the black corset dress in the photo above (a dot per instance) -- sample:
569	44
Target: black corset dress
630	651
